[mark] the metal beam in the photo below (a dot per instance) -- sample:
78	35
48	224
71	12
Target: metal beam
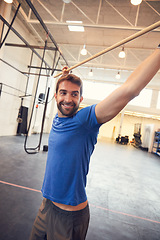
1	44
29	46
47	10
86	25
12	66
45	68
99	9
137	15
2	33
12	87
152	7
119	13
22	39
62	13
0	88
45	28
36	74
65	45
82	12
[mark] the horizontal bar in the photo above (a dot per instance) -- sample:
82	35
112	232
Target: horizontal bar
28	95
12	66
36	74
29	46
59	70
10	94
12	87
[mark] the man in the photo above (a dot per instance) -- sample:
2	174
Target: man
64	213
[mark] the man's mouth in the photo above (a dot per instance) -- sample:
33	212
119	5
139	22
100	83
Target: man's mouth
67	109
67	106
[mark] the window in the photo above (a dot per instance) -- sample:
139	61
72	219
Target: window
158	101
97	91
143	100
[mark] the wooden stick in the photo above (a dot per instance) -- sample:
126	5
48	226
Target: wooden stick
126	40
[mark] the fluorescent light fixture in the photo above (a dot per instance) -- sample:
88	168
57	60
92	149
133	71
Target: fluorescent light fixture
84	50
8	1
75	28
136	2
66	1
122	53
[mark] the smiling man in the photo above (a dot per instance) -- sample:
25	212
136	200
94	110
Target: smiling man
68	95
64	213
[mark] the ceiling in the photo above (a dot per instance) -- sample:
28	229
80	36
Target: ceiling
105	22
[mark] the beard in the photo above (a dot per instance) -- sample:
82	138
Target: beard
67	112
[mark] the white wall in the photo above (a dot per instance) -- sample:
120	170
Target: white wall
20	59
111	129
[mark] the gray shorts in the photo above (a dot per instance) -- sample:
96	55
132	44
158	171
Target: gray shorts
53	223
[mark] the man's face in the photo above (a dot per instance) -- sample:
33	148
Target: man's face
68	99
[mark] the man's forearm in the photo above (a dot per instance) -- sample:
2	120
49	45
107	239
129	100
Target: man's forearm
144	72
115	102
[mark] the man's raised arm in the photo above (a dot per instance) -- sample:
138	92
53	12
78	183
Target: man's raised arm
116	101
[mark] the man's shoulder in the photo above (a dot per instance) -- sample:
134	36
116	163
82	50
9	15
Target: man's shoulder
86	109
86	114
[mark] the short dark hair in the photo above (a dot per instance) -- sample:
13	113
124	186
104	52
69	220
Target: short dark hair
70	78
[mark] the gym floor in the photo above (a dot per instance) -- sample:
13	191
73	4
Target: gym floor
123	190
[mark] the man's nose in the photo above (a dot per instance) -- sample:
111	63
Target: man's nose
68	98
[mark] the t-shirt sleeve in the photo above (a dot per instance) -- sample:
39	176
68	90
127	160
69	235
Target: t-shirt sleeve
87	117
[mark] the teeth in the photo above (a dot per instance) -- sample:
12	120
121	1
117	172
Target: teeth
67	105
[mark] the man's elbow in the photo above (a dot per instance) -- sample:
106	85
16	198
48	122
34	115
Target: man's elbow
132	93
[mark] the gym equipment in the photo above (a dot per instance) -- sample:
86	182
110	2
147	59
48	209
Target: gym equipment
41	98
156	143
45	148
122	140
137	135
22	120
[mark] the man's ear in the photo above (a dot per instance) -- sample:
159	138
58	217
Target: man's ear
55	95
81	99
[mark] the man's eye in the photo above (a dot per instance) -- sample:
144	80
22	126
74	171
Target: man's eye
62	93
74	94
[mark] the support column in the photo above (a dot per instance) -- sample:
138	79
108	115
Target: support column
121	122
52	108
5	11
154	99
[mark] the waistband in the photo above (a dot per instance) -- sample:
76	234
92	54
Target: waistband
78	212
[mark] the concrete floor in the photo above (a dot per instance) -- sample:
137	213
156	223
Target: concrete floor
123	191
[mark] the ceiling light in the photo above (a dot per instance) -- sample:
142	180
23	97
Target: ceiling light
79	22
122	53
118	76
90	73
84	50
66	1
75	28
8	1
136	2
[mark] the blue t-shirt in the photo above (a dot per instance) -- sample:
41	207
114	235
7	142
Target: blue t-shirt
71	143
